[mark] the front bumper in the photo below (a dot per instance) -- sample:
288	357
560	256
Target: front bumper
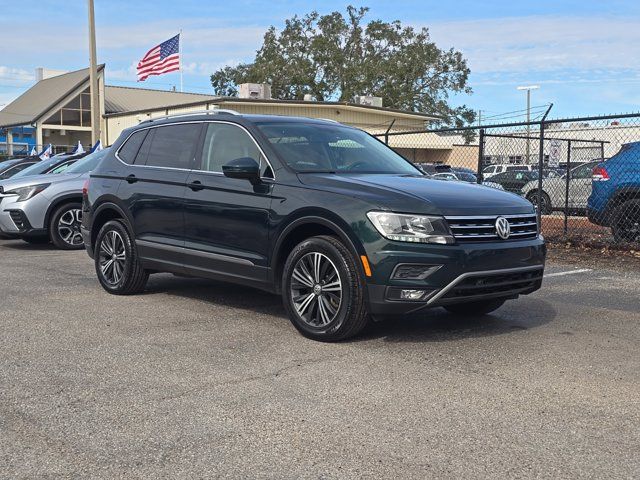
23	219
468	273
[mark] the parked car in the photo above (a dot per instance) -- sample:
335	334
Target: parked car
554	190
55	164
46	207
327	216
9	168
492	170
615	197
514	180
433	168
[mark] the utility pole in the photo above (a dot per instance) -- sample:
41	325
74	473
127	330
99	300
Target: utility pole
528	88
93	78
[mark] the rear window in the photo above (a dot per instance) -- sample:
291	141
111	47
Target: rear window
173	146
129	150
518	168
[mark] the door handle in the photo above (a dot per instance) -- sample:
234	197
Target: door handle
131	178
196	185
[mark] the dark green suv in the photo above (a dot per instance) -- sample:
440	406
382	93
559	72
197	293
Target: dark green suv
326	215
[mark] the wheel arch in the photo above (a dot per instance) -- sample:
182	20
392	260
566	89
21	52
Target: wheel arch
307	225
57	203
105	212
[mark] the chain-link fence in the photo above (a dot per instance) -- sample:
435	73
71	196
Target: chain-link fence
583	174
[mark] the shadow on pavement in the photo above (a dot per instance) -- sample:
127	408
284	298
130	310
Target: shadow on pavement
434	325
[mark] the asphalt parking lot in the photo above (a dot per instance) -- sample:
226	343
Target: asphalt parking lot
198	379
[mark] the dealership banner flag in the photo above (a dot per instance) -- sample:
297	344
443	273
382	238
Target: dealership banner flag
97	147
79	149
45	154
34	152
161	59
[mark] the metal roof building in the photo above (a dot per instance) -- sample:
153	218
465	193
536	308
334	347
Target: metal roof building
59	109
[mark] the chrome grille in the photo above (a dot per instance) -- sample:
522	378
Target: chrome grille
483	228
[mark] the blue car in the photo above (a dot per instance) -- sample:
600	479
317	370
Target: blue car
615	194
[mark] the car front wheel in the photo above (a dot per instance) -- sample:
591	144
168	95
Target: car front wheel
323	290
116	261
64	228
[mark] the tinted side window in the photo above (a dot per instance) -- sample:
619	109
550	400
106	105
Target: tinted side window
129	150
224	143
584	171
173	146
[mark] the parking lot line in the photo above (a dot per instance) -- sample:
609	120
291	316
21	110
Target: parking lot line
570	272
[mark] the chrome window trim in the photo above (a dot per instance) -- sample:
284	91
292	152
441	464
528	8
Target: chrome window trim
460	278
194	169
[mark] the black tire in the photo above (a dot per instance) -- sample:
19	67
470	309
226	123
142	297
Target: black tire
476	309
125	275
64	227
625	224
36	240
545	200
345	317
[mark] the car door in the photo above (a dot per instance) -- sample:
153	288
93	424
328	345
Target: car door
580	186
154	190
227	219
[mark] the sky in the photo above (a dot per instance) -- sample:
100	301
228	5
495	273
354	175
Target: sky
584	55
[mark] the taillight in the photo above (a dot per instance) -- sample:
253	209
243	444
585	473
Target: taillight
600	174
85	188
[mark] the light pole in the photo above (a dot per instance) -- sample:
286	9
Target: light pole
93	77
528	88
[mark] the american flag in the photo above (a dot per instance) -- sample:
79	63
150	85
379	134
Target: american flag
163	58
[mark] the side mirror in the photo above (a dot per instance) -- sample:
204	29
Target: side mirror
245	167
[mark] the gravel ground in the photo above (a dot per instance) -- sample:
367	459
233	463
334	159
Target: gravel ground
197	379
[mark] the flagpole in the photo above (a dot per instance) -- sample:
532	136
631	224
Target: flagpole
180	47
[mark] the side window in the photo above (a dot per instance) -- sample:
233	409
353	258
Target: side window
129	150
61	168
173	146
584	171
224	143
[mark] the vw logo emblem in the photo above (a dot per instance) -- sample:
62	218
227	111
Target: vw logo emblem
503	229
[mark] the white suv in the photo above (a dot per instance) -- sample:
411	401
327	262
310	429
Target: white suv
492	170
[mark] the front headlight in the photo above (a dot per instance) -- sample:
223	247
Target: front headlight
411	228
25	193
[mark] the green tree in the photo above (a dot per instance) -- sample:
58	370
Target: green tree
333	57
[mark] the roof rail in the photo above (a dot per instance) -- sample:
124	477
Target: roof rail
214	111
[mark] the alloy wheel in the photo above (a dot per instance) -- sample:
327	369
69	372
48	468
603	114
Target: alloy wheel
69	227
112	257
316	289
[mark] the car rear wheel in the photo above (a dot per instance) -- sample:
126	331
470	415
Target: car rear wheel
116	261
473	309
323	291
64	227
545	202
626	222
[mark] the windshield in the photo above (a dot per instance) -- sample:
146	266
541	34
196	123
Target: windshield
38	168
88	163
333	148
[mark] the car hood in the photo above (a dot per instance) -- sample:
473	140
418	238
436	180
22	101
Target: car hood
11	184
421	194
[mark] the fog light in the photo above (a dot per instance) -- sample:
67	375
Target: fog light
413	271
411	294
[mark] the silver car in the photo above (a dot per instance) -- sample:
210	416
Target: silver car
554	190
43	208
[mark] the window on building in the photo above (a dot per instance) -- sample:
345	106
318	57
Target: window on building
75	113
